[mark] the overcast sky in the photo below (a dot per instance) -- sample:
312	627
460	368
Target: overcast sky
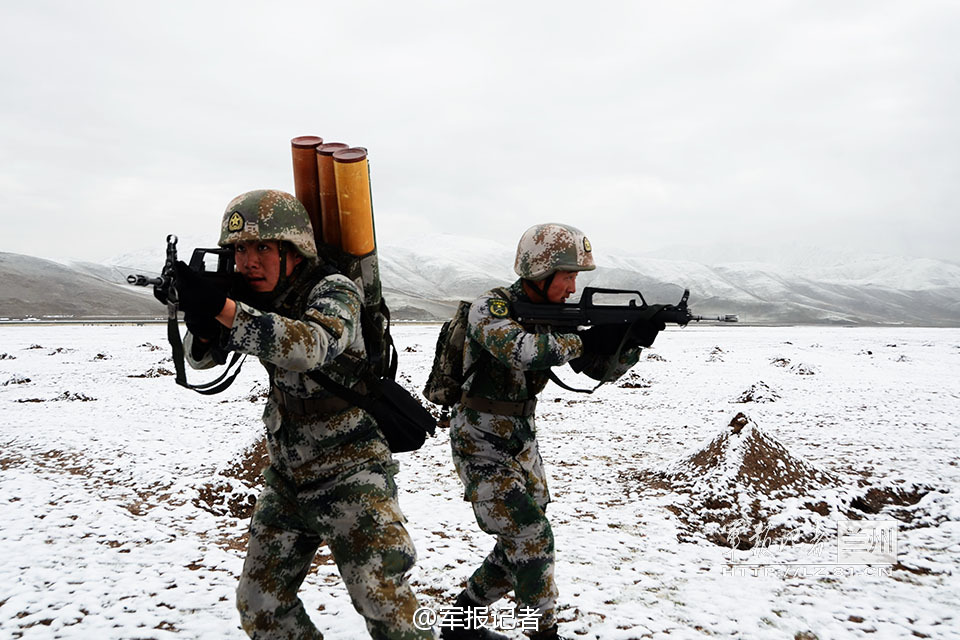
646	124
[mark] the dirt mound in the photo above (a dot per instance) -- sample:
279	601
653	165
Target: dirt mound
759	392
258	393
153	372
633	381
235	489
65	396
741	483
745	489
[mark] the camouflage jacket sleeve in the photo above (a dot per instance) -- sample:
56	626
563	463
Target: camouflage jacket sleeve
330	324
203	363
596	366
491	327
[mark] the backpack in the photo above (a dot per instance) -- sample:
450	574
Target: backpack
445	382
374	314
402	419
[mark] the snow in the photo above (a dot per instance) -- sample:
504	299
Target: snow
105	533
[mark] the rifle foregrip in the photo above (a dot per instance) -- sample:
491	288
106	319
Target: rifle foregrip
674	316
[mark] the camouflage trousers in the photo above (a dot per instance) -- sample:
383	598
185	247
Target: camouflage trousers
507	490
522	560
358	517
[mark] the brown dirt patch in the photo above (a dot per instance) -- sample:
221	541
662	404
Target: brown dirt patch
235	493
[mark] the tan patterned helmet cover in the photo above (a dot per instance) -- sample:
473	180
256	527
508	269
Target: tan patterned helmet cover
267	214
548	248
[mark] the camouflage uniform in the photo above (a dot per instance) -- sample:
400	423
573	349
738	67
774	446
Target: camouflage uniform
330	477
497	456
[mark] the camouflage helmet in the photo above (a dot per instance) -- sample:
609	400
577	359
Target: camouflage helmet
268	214
545	249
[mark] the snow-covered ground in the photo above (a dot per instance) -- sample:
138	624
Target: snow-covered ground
120	494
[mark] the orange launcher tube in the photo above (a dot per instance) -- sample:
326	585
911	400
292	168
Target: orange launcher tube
305	184
329	209
353	198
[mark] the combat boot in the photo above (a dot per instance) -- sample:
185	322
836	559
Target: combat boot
464	602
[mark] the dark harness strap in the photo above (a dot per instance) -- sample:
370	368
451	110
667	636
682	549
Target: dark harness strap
297	406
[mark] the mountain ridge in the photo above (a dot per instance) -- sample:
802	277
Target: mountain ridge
425	282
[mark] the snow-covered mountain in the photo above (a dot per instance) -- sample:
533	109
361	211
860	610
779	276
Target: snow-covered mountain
823	287
36	288
424	282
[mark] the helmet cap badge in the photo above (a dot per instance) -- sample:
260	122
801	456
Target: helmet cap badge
236	221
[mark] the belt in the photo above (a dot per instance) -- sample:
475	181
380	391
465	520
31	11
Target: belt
298	406
500	407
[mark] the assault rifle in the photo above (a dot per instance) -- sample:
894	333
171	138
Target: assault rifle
641	321
164	286
165	290
587	312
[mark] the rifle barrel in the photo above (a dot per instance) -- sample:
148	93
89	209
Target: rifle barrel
143	281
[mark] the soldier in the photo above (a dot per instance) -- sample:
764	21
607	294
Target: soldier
492	431
330	477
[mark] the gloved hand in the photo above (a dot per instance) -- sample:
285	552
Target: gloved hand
204	327
160	294
603	340
197	296
643	335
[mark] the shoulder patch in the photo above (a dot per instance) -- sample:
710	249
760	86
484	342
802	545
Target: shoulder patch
499	308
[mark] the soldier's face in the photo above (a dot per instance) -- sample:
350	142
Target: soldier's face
563	286
259	263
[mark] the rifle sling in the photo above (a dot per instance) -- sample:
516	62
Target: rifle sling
176	345
612	361
560	383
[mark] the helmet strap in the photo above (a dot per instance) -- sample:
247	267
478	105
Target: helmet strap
282	278
268	298
542	286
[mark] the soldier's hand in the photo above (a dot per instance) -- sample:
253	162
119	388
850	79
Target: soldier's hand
603	340
206	328
160	294
197	296
644	334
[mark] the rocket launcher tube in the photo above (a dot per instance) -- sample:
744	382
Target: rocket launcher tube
357	235
353	198
305	182
329	209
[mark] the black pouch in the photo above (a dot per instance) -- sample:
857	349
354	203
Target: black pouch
404	422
